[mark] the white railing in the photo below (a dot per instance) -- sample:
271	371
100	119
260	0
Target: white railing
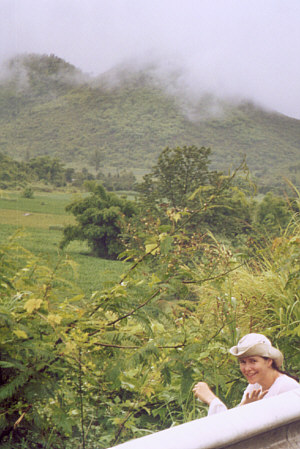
229	428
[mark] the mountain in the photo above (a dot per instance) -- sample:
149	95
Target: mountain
127	117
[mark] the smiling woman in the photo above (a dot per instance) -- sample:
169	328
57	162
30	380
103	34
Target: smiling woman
260	363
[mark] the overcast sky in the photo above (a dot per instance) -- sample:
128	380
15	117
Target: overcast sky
244	48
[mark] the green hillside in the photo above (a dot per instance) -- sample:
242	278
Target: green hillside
48	107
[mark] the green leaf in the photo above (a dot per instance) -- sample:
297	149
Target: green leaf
21	334
152	248
33	304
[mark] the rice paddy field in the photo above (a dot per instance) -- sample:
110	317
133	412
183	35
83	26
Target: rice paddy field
39	221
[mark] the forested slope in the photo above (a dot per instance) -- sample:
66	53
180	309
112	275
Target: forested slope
49	107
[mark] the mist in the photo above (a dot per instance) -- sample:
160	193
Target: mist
229	48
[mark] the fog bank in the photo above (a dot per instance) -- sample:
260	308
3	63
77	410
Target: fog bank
231	48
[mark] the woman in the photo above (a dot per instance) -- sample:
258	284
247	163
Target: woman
260	363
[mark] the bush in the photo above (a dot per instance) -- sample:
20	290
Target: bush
28	192
101	219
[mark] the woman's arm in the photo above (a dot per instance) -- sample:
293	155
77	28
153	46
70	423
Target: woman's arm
202	391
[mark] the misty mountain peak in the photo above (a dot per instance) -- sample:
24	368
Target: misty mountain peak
130	114
40	74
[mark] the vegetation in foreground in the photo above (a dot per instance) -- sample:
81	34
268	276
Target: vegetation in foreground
85	369
79	370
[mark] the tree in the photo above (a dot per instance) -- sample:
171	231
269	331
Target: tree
96	159
28	192
177	174
48	169
13	173
232	214
101	218
273	213
124	180
181	181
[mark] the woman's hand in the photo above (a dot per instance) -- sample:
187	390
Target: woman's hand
202	391
255	395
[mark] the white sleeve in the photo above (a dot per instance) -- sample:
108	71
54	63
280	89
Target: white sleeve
216	406
282	384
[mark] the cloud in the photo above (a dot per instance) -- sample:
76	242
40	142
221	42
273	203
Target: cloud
239	48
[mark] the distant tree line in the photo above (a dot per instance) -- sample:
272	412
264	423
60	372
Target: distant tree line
51	171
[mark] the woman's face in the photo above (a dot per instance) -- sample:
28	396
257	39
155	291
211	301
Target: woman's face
255	368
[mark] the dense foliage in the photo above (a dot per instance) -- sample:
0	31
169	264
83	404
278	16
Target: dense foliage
101	218
182	182
179	172
80	371
50	108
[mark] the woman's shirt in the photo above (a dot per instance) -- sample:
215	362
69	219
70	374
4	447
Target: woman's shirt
282	384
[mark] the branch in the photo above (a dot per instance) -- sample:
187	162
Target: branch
127	314
127	417
212	278
135	309
22	416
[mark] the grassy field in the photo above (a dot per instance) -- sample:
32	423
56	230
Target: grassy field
39	222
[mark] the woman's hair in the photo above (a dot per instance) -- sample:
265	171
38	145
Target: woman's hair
274	366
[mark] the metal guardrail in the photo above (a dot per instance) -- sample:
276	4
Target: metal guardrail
270	423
